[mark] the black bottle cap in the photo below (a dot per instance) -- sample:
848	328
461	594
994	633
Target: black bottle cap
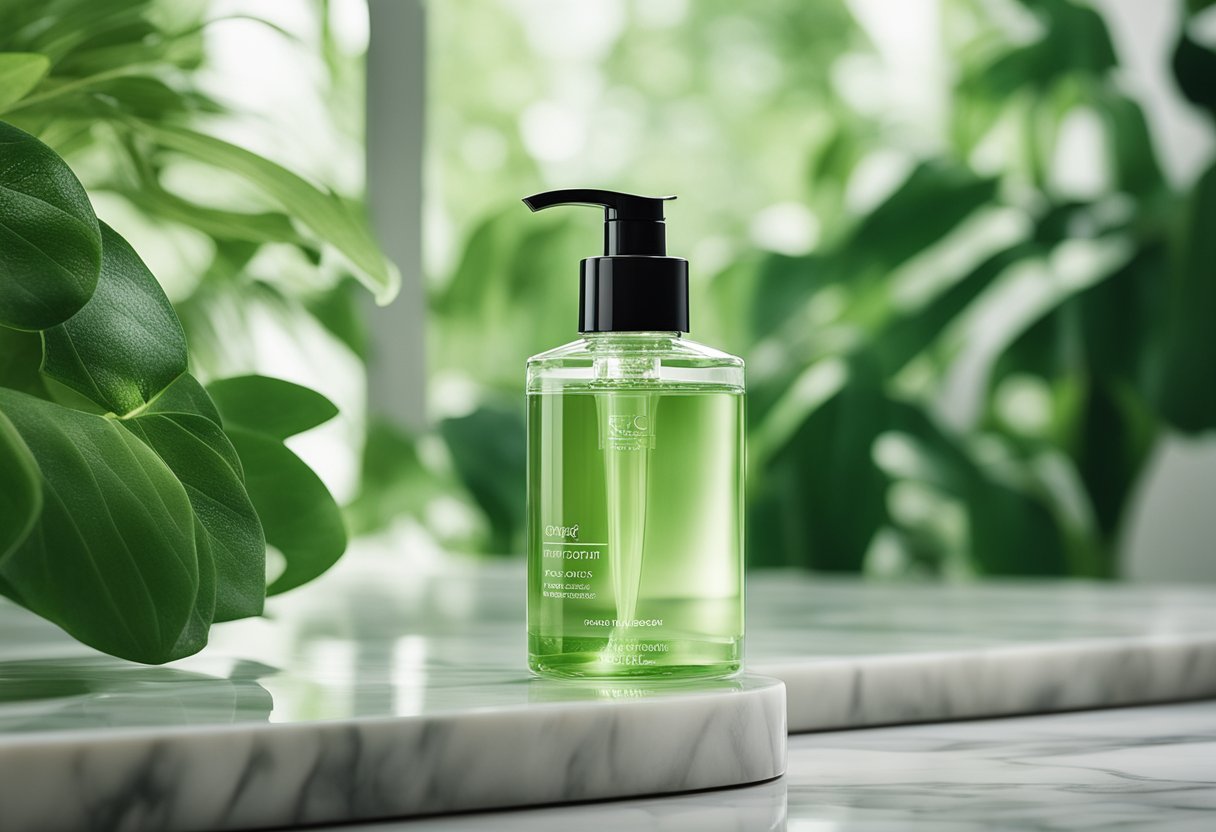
634	286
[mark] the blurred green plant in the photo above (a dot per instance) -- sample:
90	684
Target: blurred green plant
966	375
136	505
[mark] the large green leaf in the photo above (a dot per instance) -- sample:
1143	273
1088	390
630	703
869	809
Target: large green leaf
196	449
126	345
298	513
194	635
50	244
113	558
906	336
930	203
20	72
271	406
934	199
20	488
325	214
801	512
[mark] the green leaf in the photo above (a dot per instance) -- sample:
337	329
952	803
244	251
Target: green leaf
298	513
800	513
340	311
393	480
326	215
50	244
1194	67
1188	395
513	267
271	406
1135	158
905	337
489	451
1013	535
113	558
202	457
934	199
214	222
783	286
930	203
20	72
186	395
198	626
1010	529
126	345
20	358
183	426
20	488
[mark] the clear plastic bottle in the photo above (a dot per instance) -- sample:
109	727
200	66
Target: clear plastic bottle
635	500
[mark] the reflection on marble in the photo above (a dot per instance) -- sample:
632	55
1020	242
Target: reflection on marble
351	701
1145	768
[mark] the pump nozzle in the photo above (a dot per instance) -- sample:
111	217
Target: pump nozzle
632	224
634	286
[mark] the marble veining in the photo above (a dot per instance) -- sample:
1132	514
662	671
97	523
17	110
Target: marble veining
1124	768
1146	768
249	776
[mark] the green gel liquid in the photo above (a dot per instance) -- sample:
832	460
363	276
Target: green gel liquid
650	584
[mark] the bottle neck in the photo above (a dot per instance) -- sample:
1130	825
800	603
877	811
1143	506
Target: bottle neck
651	335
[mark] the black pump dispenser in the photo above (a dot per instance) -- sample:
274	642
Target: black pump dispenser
634	286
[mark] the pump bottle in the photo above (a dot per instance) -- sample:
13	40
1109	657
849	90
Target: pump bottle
635	470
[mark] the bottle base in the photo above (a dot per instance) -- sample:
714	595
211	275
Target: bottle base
568	669
637	659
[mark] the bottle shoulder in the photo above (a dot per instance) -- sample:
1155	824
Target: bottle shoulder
666	349
645	361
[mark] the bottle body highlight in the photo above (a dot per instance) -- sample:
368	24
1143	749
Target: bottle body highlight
635	509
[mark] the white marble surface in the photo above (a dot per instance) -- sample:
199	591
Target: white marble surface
1150	768
249	776
391	690
874	654
356	699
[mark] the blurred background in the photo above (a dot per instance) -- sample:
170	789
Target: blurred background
967	248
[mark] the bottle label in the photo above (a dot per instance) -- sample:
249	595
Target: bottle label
569	568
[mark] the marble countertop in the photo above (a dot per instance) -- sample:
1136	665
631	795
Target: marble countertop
390	691
1147	768
855	654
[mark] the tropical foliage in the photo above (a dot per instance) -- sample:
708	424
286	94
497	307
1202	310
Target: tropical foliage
137	504
962	368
